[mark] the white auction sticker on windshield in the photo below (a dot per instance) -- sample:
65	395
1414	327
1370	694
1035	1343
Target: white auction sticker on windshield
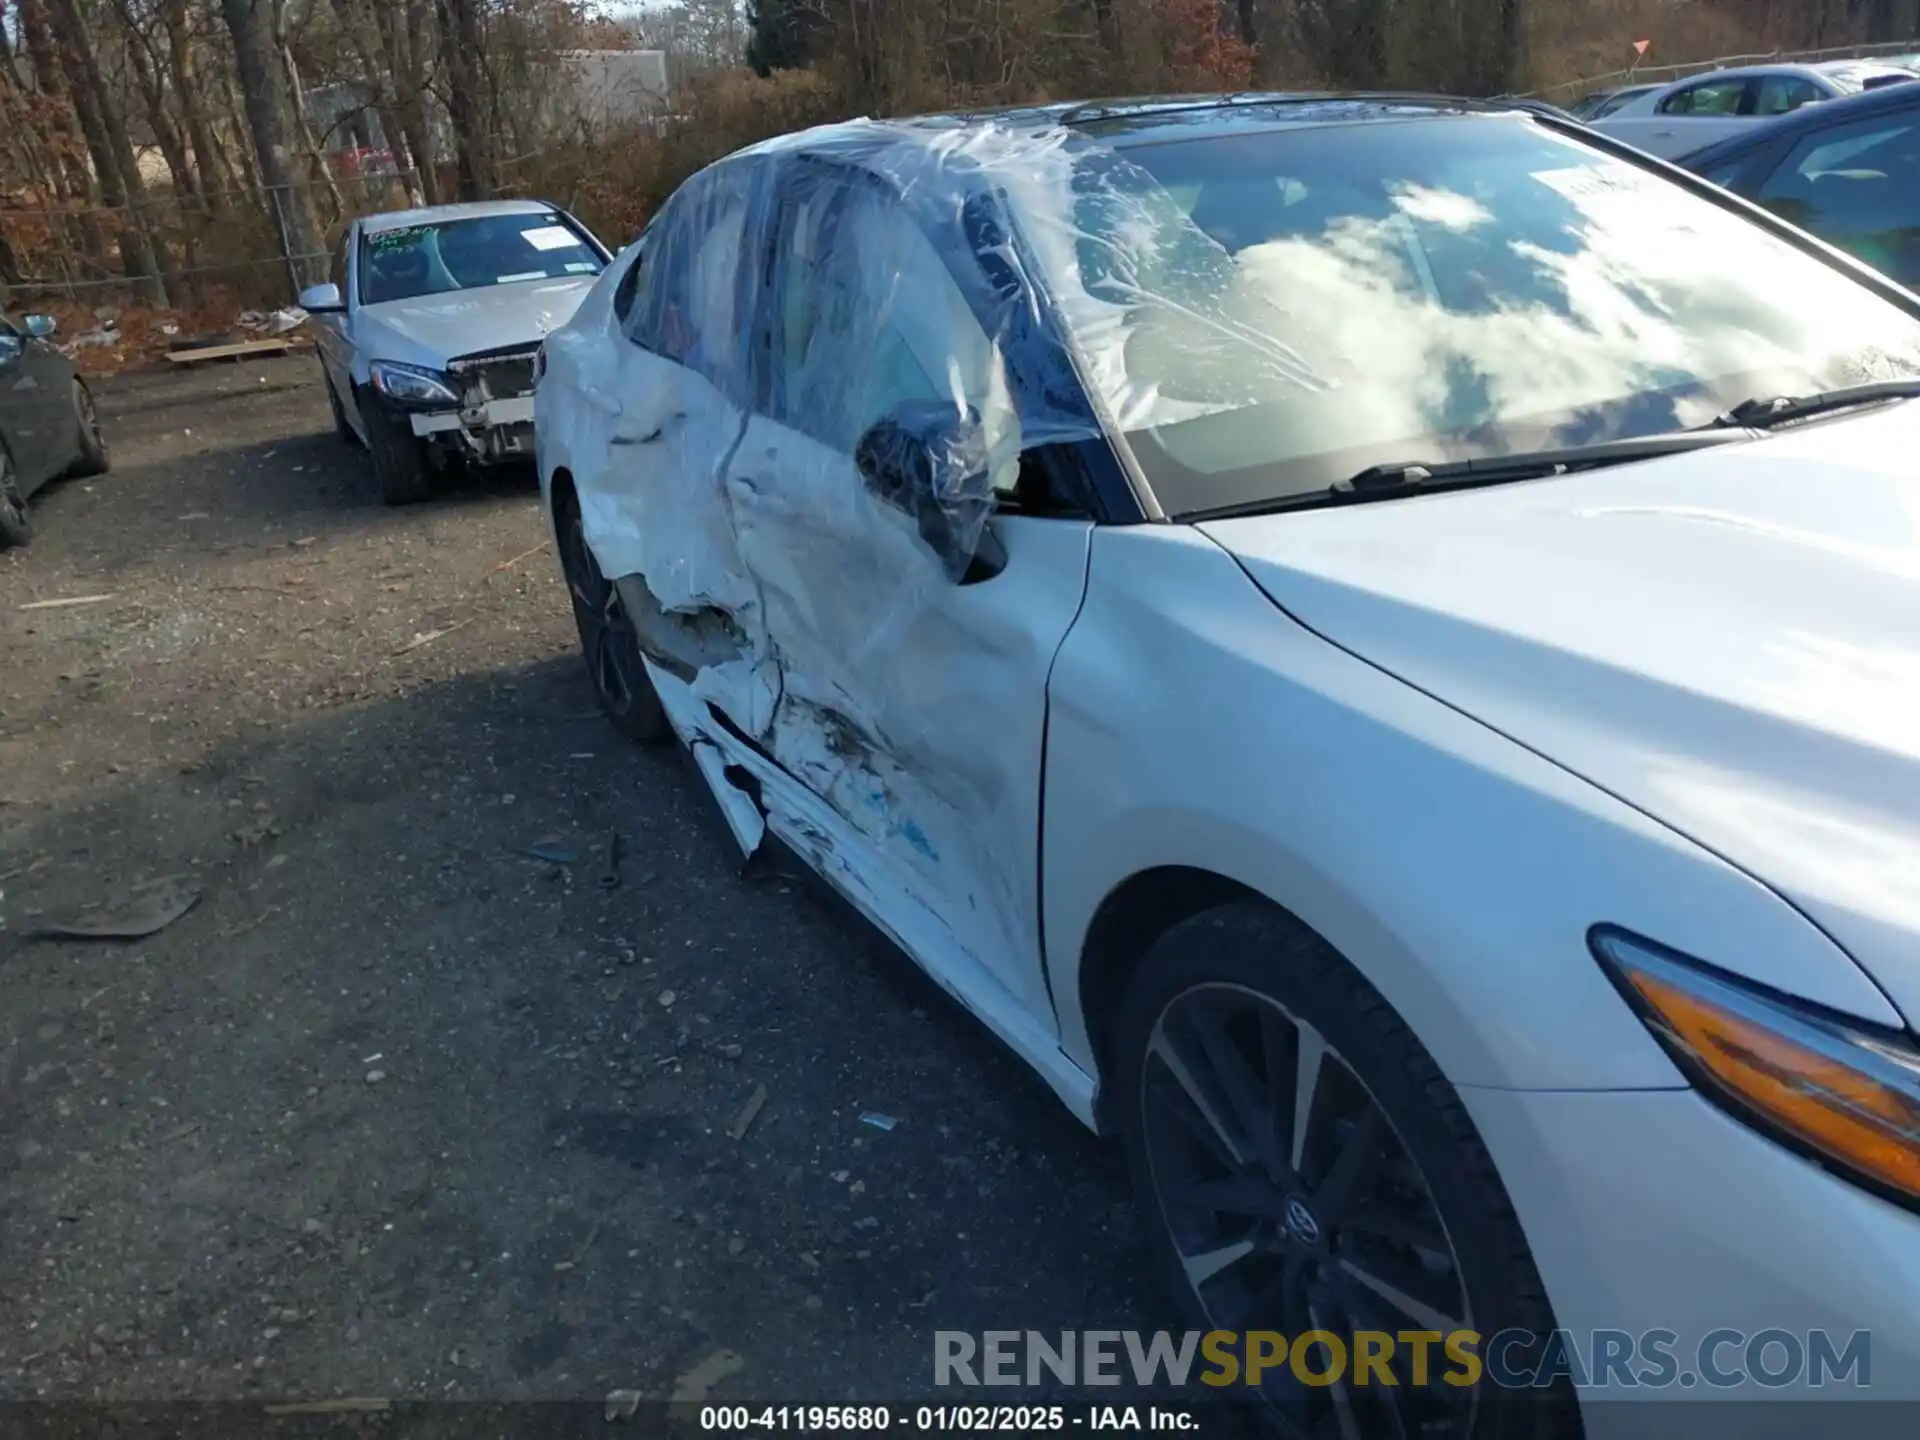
1617	194
1583	180
550	237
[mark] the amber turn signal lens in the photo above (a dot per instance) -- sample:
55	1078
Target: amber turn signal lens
1849	1095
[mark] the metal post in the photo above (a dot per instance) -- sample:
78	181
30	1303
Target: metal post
286	242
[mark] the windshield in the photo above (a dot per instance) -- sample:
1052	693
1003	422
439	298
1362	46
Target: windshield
471	254
1261	314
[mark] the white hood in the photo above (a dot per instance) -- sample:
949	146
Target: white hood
433	329
1728	640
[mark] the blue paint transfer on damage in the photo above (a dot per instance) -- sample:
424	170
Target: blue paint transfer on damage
917	838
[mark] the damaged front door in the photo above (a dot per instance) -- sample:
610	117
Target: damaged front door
911	698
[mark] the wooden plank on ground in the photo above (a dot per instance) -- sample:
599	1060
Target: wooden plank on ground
230	352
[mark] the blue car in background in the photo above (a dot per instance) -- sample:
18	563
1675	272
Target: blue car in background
1847	171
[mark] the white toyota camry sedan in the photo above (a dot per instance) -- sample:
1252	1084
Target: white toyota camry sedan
1376	643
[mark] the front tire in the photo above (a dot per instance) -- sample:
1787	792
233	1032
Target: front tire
15	528
91	441
399	460
607	638
1303	1165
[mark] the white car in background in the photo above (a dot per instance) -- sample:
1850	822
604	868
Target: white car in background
1374	642
427	330
1674	120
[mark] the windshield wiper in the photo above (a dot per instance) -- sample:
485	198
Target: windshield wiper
1379	482
1762	412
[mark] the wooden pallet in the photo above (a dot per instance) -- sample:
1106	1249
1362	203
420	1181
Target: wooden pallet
239	350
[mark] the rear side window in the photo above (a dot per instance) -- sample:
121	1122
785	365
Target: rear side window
1712	97
1779	94
1857	186
690	304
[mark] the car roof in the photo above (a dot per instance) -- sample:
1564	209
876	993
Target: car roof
1890	100
435	214
1860	67
989	136
1750	72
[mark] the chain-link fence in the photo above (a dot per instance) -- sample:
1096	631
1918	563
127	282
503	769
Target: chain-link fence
231	241
230	244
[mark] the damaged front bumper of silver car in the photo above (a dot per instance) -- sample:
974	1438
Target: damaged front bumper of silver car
494	421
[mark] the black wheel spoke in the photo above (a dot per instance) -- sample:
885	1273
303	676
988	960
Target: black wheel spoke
1354	1167
1340	1398
1277	1058
1241	1091
608	675
1399	1299
1416	1232
1214	1130
1229	1195
1205	1265
1309	1065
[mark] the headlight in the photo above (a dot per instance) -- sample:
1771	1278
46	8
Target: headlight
1839	1090
412	383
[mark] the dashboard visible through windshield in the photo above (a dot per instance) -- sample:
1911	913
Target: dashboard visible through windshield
1263	313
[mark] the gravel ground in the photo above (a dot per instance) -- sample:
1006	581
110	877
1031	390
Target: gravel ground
397	1110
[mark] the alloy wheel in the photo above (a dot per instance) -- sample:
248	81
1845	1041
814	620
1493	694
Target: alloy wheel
606	634
90	421
13	506
1293	1205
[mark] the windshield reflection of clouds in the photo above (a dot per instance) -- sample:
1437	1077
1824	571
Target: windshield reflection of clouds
1544	295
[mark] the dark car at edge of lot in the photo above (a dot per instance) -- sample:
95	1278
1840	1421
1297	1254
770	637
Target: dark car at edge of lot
48	426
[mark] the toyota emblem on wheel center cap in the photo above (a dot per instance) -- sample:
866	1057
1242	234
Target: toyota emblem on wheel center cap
1301	1223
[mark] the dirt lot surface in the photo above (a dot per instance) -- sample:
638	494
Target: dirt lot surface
396	1109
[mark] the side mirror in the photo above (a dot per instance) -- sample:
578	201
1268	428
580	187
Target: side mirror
321	299
40	327
930	461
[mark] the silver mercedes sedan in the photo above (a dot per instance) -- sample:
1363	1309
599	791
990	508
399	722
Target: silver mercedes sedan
427	328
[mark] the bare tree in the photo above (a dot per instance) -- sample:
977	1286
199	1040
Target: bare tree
209	157
114	163
411	44
461	61
381	74
262	80
46	131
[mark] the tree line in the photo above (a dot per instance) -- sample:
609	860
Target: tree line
163	144
152	140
